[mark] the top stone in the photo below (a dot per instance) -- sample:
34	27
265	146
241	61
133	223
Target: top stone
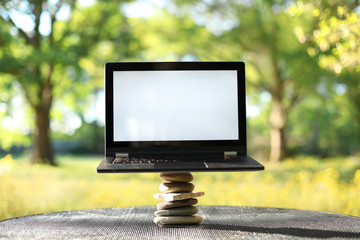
176	176
176	187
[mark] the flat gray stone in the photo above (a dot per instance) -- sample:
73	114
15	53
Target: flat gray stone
180	211
175	204
178	220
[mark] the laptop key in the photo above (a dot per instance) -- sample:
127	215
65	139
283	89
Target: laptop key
130	160
173	159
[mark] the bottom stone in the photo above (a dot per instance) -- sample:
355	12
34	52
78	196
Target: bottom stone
178	220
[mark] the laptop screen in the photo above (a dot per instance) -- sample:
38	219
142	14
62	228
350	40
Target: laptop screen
184	106
180	105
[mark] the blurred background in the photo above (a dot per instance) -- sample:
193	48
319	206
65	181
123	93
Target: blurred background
303	98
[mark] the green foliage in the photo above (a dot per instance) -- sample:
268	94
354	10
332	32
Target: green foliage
169	37
337	38
334	38
90	137
326	129
16	130
304	54
57	68
334	42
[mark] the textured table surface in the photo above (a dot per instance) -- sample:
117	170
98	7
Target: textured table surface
220	222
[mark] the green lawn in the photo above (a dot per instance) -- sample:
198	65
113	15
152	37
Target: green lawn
331	185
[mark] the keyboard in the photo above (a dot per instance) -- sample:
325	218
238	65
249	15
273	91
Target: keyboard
171	159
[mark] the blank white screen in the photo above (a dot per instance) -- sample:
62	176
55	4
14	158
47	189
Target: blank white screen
175	105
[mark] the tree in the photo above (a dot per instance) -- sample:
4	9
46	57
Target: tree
262	34
46	63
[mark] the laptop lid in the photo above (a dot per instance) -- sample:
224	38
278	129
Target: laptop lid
175	107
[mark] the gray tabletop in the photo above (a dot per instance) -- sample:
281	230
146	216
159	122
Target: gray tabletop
220	222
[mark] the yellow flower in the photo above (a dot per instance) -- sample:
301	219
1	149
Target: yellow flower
6	164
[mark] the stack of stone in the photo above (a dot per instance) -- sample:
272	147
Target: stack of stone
177	192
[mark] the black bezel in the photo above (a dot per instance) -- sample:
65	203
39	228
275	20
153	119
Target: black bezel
148	146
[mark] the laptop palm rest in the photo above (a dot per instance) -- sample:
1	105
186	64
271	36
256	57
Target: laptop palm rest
246	163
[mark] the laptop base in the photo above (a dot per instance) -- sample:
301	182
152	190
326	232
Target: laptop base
246	164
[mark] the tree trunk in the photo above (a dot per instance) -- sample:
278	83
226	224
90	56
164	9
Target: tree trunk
42	147
277	115
277	130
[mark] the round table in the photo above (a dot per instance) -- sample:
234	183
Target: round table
220	222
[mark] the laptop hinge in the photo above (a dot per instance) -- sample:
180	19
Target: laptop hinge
230	154
121	155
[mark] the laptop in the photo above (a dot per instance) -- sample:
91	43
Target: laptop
175	116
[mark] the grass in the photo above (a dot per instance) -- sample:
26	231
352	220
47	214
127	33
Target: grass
331	185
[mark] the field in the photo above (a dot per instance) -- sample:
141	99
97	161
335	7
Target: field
331	185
